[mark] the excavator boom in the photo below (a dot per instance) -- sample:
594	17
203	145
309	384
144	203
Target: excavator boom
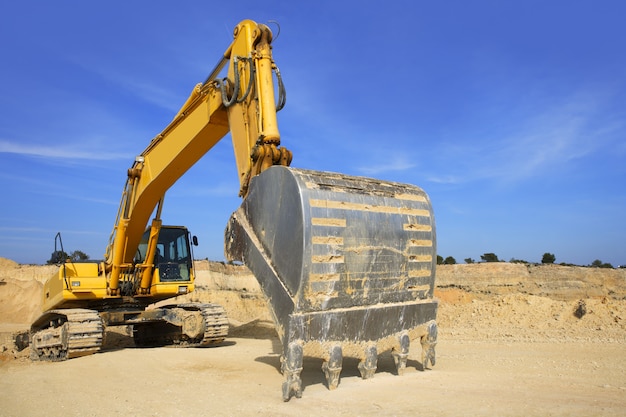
242	103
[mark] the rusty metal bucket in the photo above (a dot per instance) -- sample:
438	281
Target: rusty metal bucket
347	265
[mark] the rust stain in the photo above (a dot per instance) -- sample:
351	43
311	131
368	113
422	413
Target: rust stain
411	197
328	221
416	227
419	273
420	258
422	242
327	240
324	277
334	259
345	205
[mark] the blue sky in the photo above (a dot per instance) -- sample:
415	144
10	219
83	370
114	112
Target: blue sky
511	115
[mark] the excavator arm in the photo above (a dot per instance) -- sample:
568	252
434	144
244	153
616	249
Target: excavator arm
243	103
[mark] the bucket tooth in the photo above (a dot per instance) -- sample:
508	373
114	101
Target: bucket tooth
429	341
291	366
401	355
369	363
332	367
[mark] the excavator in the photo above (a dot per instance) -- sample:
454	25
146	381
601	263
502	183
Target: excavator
346	264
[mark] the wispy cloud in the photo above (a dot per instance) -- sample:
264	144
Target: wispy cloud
59	152
38	230
223	189
550	139
388	164
133	79
151	93
445	179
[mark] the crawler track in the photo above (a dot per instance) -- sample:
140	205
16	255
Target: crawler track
215	324
64	334
162	333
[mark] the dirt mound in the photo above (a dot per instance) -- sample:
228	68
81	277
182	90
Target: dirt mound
20	301
523	317
6	264
20	292
505	301
38	273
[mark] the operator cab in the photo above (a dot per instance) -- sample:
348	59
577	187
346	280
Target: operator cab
173	257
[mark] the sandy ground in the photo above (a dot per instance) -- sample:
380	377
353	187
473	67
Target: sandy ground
242	378
498	354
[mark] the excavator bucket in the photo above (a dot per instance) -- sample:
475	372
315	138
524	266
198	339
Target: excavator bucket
347	265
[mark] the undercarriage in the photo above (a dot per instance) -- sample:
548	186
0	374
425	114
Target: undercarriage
69	333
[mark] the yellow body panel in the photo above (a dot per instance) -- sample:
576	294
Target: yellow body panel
74	282
77	283
161	290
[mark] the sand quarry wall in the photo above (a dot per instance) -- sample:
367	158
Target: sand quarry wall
21	285
486	300
553	281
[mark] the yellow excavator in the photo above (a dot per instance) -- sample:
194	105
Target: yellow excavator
347	264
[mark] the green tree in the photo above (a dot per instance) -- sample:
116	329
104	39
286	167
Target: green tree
57	257
599	264
489	257
548	258
79	255
449	261
439	259
469	260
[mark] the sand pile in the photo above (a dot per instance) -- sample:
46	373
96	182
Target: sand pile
20	297
7	264
20	301
523	317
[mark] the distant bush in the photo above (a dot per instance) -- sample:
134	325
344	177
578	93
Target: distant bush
547	259
79	255
599	264
518	261
59	257
489	257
